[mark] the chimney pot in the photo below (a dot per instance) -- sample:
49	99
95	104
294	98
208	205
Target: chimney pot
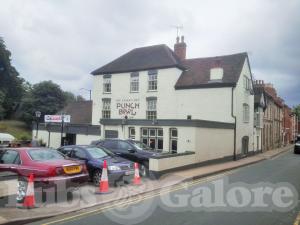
182	39
180	48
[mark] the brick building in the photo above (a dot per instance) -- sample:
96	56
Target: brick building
272	133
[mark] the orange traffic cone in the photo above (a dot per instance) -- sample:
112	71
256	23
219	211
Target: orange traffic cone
103	185
137	178
29	199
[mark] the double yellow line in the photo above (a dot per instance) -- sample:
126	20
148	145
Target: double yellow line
138	199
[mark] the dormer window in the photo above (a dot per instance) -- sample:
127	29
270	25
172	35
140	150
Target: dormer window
216	74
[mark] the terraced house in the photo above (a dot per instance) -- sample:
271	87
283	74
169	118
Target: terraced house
156	95
272	136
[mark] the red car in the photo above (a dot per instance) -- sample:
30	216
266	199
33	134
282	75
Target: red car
50	168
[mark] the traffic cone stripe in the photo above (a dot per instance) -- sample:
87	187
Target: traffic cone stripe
137	178
29	199
103	185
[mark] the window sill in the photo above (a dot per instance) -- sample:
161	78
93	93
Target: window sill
152	91
106	93
134	92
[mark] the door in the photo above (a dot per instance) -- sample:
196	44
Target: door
245	144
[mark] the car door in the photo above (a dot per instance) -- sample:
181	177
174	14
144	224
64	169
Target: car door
9	161
124	147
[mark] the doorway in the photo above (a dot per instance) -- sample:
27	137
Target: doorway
245	145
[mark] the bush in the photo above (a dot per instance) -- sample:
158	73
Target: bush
24	137
3	127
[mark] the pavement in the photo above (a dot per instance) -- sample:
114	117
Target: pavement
188	205
85	198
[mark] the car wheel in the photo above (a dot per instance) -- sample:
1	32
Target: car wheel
144	168
97	177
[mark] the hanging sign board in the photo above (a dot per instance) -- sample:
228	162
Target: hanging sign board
57	118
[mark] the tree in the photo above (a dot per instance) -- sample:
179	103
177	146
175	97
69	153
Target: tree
69	97
46	97
11	85
2	99
296	109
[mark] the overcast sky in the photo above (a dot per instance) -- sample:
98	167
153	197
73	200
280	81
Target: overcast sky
64	40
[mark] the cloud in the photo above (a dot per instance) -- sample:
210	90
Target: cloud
65	40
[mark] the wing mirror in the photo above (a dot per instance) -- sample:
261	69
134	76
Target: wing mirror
131	150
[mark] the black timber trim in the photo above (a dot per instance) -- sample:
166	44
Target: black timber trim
169	122
85	129
151	98
208	85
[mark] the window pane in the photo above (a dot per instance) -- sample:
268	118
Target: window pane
152	143
44	155
145	132
132	131
145	141
152	132
174	133
160	144
107	85
160	132
134	83
174	145
9	157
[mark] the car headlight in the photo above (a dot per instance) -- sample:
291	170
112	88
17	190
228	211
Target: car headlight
114	168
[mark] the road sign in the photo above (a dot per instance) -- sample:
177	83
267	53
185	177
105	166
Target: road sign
57	118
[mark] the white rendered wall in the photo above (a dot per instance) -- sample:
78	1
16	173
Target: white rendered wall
207	104
242	96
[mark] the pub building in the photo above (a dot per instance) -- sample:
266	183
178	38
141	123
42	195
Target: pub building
201	109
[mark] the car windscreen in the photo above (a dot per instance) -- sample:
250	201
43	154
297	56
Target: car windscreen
98	153
44	154
141	145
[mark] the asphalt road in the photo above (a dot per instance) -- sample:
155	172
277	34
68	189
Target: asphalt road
182	206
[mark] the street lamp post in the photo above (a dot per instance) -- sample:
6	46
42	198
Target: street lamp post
62	129
89	90
37	116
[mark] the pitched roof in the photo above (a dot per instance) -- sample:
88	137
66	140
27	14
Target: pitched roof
197	74
145	58
81	112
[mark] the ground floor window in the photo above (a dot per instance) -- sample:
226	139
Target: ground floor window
173	140
153	137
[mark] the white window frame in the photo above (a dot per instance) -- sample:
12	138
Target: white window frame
152	81
246	113
106	108
106	85
173	138
134	82
151	113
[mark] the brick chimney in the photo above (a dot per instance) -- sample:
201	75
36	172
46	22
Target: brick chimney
180	48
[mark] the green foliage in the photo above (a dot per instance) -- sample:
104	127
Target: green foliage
69	97
16	128
11	85
296	109
2	99
46	97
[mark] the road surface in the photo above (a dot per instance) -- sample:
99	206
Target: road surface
182	205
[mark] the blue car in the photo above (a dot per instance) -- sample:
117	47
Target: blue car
120	170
